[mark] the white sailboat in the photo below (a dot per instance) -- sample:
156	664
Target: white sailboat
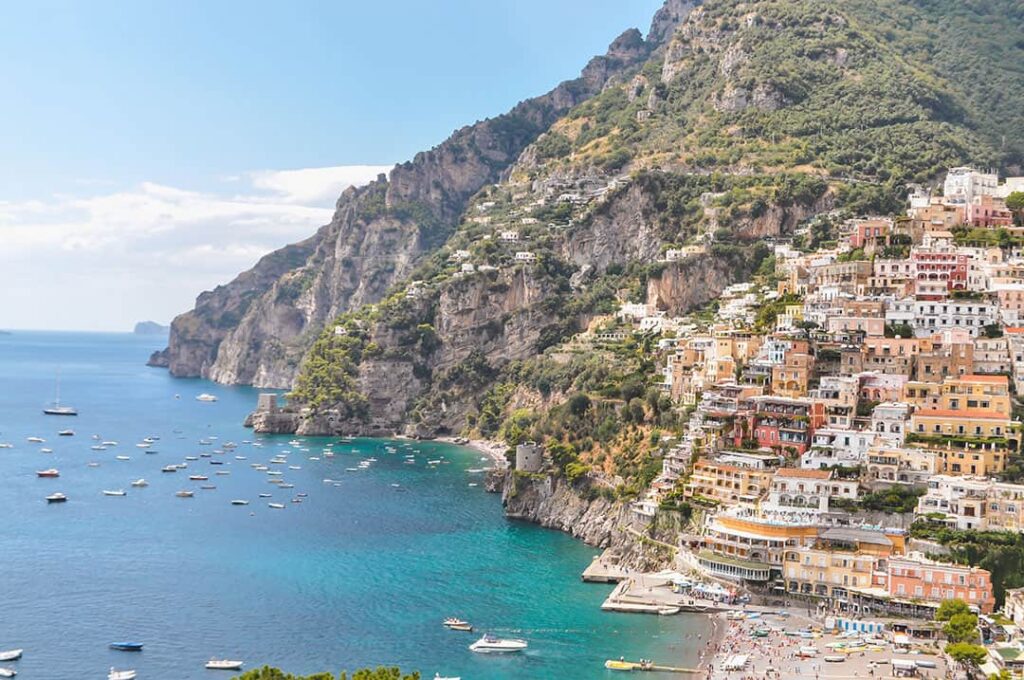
56	409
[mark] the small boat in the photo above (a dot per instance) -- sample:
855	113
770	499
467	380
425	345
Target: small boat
92	464
191	457
438	676
143	445
140	483
207	487
265	495
185	494
169	468
35	440
52	472
240	458
490	644
285	486
66	433
239	502
123	457
223	665
117	492
126	646
11	655
7	672
276	506
45	450
834	658
206	397
98	447
198	478
222	472
6	445
457	624
121	675
108	443
216	462
56	498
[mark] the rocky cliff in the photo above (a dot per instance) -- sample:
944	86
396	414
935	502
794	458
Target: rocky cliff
256	329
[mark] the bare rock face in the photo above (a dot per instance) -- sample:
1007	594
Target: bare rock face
620	232
255	329
686	285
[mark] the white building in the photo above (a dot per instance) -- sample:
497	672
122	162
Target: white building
525	256
802	490
889	422
964	184
509	235
931	316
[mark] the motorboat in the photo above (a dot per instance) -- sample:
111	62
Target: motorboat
7	672
52	472
198	478
438	676
169	468
117	492
11	655
489	644
185	494
207	487
121	675
223	665
98	447
276	506
206	397
239	502
191	457
222	472
453	623
45	450
66	433
140	483
265	495
6	445
123	457
57	498
35	440
126	646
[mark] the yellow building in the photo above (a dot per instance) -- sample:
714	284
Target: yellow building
727	482
982	462
750	547
842	558
922	395
959	423
983	393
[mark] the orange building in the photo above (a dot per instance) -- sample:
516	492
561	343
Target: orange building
918	578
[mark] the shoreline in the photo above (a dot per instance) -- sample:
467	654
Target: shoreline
490	448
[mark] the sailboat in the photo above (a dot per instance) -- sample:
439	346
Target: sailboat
57	409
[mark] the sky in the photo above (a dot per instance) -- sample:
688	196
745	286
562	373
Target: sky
152	150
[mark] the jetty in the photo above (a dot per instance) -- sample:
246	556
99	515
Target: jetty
604	569
621	665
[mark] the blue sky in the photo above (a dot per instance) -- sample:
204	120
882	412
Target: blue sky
152	150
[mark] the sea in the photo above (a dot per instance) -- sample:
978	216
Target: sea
360	573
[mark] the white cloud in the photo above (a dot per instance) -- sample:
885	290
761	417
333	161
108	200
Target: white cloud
106	260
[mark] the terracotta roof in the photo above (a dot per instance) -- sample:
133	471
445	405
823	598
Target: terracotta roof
976	377
803	473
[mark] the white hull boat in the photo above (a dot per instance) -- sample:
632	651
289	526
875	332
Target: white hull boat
489	644
11	655
224	665
121	675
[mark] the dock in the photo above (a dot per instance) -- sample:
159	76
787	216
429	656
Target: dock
604	570
617	665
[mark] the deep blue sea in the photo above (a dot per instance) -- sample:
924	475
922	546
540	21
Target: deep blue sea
360	573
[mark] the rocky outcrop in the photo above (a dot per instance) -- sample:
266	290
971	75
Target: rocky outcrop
581	512
159	359
255	329
691	283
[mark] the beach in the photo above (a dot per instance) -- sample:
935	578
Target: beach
490	448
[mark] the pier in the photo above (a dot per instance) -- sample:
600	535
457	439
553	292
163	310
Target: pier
618	665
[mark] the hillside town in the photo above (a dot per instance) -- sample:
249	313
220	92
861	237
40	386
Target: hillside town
867	387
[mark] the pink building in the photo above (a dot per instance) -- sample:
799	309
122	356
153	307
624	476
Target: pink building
915	577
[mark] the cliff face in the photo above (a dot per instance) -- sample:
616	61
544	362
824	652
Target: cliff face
256	329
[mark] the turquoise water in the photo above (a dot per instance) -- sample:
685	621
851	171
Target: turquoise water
360	573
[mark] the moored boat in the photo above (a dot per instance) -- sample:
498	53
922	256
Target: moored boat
56	498
453	623
206	397
185	494
224	665
140	483
121	675
127	646
276	506
51	472
114	492
11	655
66	433
7	672
239	501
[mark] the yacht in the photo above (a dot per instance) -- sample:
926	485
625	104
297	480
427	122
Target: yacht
140	483
490	644
206	397
223	665
56	498
118	492
121	675
52	472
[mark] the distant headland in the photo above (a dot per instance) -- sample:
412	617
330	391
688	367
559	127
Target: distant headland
150	328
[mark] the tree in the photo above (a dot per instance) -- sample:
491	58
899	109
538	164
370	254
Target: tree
579	404
950	608
966	653
1015	203
961	628
379	673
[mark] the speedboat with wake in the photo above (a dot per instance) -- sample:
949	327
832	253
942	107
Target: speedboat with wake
489	644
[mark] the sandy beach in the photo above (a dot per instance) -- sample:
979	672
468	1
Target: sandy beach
492	449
